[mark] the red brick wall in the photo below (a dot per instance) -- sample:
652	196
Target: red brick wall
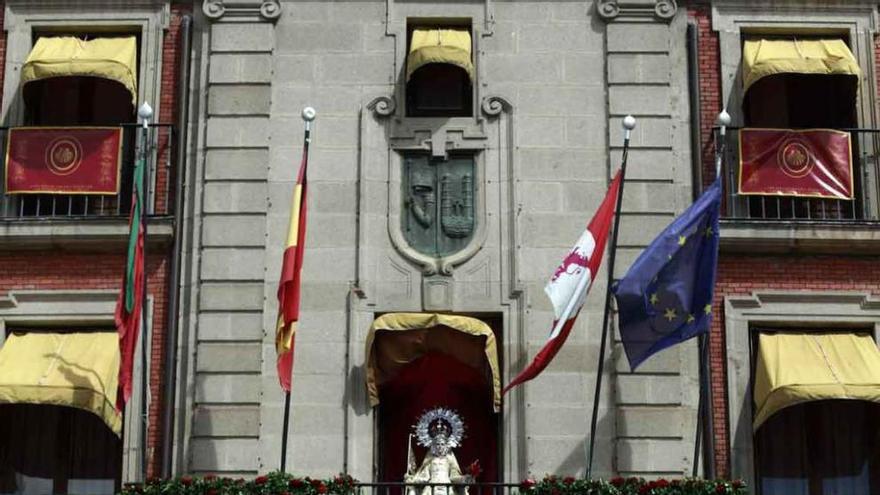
57	270
709	61
168	103
741	275
50	270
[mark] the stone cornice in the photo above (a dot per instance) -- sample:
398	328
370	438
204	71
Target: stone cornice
242	10
610	10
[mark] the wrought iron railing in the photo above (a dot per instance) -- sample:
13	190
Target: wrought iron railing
161	148
865	207
482	488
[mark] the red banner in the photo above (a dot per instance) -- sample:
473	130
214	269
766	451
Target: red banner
783	162
63	160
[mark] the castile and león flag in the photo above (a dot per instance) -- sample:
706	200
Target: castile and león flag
571	281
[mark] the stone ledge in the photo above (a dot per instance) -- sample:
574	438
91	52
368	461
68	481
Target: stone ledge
92	234
773	237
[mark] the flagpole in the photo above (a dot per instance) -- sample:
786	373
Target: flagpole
705	429
308	115
145	112
629	123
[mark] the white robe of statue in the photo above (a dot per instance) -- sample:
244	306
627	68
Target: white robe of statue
438	466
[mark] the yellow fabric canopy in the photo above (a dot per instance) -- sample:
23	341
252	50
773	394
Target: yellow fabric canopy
762	58
440	46
63	369
108	58
797	368
416	334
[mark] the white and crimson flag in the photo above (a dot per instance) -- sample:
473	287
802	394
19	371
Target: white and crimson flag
288	287
571	281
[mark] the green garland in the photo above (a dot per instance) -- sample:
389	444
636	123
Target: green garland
277	483
555	485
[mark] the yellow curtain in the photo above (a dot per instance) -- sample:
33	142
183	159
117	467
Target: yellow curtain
63	369
467	339
109	58
796	368
444	46
762	58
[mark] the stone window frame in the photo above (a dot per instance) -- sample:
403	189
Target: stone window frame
399	15
81	308
733	18
23	17
795	309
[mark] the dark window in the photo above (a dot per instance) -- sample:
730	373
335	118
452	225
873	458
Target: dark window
57	449
825	447
820	448
438	90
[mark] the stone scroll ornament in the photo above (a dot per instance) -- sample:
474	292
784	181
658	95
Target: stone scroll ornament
440	430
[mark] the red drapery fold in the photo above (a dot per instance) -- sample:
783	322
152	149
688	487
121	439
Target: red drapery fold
436	380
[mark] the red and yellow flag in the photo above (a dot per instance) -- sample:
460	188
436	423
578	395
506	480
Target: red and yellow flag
288	287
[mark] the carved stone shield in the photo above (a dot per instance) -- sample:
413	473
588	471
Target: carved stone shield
438	203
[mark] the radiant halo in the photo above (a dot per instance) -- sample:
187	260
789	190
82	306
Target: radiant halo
448	416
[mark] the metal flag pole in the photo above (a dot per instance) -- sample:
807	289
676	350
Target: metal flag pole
145	112
705	428
308	115
629	123
705	435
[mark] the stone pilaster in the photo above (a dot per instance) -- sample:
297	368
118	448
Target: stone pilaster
654	407
229	356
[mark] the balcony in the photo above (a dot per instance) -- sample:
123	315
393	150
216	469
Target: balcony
49	219
810	225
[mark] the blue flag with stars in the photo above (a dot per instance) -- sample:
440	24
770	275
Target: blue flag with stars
666	296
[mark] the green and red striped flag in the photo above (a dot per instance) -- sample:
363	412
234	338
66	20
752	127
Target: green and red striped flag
288	287
130	301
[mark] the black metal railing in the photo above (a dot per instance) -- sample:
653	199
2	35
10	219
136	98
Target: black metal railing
161	148
482	488
863	206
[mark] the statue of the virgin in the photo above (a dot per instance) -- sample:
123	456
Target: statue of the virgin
440	430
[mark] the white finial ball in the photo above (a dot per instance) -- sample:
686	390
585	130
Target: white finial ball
724	118
308	114
145	111
629	122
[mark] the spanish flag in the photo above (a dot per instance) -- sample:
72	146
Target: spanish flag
288	287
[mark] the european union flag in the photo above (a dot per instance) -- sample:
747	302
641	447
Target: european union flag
666	296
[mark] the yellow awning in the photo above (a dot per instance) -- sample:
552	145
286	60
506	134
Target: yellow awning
804	367
762	58
108	58
440	46
63	369
419	333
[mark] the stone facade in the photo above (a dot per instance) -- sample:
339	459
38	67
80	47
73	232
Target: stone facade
553	81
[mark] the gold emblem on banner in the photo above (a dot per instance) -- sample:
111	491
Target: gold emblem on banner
64	155
795	159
